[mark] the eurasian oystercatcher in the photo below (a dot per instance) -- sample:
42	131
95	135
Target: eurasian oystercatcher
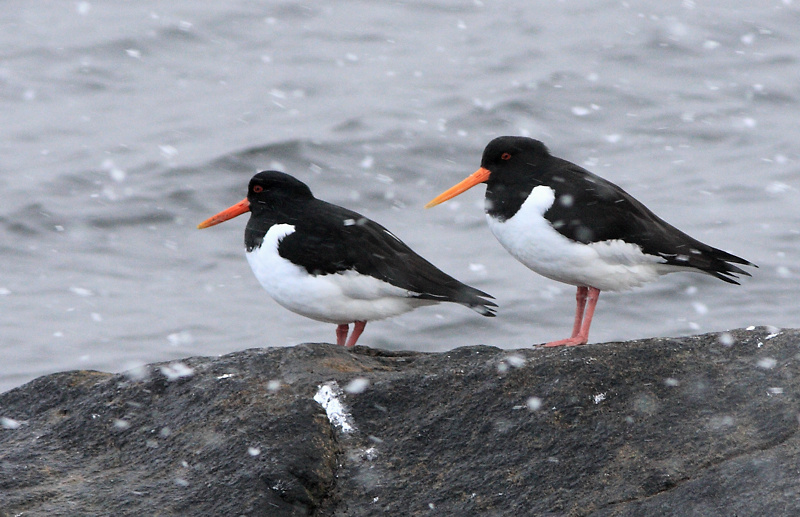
334	265
570	225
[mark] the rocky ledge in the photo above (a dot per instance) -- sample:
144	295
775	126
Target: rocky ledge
702	425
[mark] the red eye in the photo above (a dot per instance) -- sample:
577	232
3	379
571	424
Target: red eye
258	189
505	156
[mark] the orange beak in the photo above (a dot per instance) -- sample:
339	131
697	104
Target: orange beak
229	213
479	176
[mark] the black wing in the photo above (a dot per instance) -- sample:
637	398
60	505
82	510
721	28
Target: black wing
590	209
331	239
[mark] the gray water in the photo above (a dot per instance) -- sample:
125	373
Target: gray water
124	124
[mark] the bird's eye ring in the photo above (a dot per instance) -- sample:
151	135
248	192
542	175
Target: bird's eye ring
505	156
258	189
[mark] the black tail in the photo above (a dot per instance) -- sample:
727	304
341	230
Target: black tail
465	295
720	265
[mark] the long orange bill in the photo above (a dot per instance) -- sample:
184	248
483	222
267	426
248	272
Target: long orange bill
229	213
479	176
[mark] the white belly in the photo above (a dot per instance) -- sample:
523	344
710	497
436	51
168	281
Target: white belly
334	298
608	265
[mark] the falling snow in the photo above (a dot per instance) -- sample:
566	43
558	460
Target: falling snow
367	162
767	363
726	339
175	371
137	371
477	268
9	423
182	338
510	361
534	403
81	291
357	385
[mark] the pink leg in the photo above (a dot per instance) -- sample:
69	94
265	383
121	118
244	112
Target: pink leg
341	334
594	296
358	328
581	336
580	297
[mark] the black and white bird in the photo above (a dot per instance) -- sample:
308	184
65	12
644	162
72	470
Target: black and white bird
570	225
331	264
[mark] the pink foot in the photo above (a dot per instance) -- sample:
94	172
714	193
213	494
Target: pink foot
570	341
586	298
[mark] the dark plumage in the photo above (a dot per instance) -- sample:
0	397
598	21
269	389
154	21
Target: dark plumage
590	209
572	226
317	259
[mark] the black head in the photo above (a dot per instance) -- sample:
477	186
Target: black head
271	187
513	153
269	191
509	164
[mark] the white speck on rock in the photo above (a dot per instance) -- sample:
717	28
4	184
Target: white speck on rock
253	451
370	453
328	397
600	397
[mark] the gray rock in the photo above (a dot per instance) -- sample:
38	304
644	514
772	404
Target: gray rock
687	426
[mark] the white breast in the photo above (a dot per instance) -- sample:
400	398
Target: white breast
608	265
333	298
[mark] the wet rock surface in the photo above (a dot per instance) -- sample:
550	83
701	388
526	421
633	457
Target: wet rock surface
701	425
